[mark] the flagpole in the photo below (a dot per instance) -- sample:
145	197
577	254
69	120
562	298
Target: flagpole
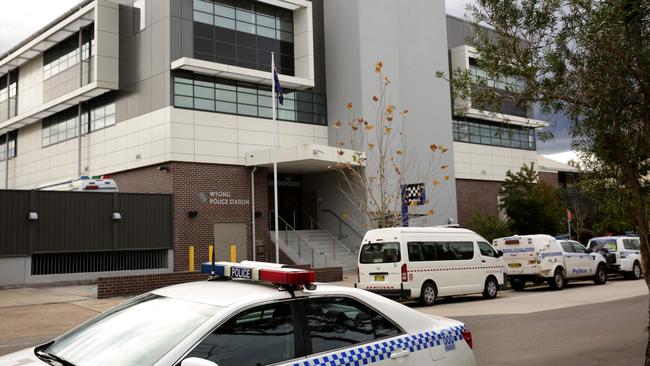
275	161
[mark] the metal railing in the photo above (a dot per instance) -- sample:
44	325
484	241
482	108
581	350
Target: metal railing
315	225
342	222
306	255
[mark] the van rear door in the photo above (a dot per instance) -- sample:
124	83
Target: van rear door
380	264
519	255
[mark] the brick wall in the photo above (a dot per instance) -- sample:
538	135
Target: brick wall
330	274
188	183
476	195
139	284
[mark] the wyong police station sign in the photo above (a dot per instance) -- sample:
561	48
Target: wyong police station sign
222	198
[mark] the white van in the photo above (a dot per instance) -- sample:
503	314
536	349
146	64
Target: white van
623	254
538	258
427	263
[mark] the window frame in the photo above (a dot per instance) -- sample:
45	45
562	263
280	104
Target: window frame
496	254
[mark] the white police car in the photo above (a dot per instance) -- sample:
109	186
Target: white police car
623	254
279	319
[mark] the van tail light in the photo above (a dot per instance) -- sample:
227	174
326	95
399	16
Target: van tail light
405	273
467	336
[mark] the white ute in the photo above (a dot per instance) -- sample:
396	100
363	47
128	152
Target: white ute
428	262
624	253
537	258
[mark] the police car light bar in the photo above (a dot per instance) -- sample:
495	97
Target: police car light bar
256	271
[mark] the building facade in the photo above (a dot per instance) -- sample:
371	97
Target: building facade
174	96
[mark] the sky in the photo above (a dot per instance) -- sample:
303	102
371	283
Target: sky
19	19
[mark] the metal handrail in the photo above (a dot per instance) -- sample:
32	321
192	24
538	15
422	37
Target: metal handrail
300	240
313	221
344	222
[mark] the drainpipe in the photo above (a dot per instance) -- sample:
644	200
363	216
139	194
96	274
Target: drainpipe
81	83
253	209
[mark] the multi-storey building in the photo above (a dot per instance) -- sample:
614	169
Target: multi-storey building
174	96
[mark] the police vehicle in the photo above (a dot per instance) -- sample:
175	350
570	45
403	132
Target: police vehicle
624	252
252	314
97	183
429	262
538	258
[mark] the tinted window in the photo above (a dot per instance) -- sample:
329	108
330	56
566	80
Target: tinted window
380	253
578	248
266	334
487	250
440	251
631	244
335	323
568	248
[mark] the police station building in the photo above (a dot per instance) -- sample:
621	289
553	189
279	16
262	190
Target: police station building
174	96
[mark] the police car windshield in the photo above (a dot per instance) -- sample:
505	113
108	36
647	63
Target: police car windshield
138	332
380	253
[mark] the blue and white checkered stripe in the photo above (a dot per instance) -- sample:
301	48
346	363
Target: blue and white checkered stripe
518	250
369	354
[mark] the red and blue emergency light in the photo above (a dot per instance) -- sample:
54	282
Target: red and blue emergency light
264	272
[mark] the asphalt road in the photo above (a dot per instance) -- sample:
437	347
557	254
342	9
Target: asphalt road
610	333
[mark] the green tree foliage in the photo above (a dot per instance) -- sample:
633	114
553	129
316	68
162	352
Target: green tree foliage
488	226
588	59
532	206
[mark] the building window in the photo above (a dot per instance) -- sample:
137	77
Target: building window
13	136
65	54
211	94
8	94
512	85
244	33
95	115
494	134
139	19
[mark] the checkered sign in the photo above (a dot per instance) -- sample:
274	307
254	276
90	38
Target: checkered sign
413	194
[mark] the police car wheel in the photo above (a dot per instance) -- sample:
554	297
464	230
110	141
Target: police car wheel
601	275
557	282
428	295
636	271
491	288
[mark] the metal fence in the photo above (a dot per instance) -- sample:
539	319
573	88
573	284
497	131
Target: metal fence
40	222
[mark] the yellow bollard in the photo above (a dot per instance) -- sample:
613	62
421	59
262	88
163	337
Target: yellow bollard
191	258
233	253
210	252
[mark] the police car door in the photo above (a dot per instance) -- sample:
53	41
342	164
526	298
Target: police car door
571	259
344	331
586	263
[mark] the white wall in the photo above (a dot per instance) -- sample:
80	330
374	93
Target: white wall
483	162
30	85
168	134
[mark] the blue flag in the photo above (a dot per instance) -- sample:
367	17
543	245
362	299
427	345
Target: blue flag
278	87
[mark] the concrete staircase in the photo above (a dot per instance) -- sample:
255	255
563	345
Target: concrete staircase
319	248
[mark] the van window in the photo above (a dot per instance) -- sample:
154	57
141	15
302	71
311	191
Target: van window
631	244
440	251
380	253
486	249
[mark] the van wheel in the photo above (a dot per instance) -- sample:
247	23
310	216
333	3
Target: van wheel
491	288
428	294
517	285
601	275
557	282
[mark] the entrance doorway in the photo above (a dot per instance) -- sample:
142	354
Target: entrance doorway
295	205
227	234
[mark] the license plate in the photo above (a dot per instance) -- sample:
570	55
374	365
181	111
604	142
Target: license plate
381	278
239	272
514	265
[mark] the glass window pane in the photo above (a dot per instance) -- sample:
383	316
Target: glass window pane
203	92
247	98
246	16
265	20
183	89
266	333
99	112
224	22
224	11
285	36
100	123
225	95
247	110
335	323
226	107
266	112
203	18
183	102
246	27
265	32
110	109
204	6
110	120
204	104
286	115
